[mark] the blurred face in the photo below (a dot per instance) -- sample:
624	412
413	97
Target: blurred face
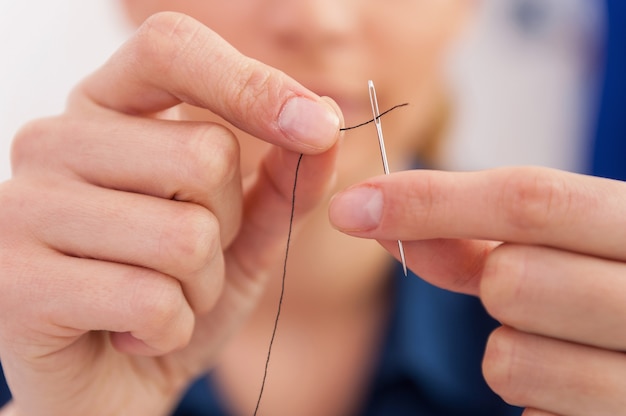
333	47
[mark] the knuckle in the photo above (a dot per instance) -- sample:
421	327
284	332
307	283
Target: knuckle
430	198
180	332
162	305
502	287
159	304
210	164
164	37
500	369
191	241
184	333
28	141
211	295
253	82
24	207
167	25
533	199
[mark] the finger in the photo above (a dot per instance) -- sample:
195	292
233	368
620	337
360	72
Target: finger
173	58
64	297
195	162
558	294
450	264
523	205
174	238
556	376
260	247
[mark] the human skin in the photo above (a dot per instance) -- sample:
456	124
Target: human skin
544	251
135	245
96	236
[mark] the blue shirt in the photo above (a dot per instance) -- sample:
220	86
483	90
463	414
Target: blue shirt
608	150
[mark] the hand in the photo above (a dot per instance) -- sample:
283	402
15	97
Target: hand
546	253
129	249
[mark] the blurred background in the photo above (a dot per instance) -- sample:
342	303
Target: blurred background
46	47
522	79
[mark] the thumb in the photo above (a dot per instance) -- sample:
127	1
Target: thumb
173	58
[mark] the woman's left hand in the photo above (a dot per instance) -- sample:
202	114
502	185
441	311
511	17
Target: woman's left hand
544	250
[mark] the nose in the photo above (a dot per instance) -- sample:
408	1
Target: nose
310	24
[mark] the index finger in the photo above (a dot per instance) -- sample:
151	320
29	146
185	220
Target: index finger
521	205
173	58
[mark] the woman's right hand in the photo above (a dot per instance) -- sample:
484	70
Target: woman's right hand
129	249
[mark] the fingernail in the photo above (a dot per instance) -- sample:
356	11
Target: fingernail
357	209
314	124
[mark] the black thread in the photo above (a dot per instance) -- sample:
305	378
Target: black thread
282	289
372	120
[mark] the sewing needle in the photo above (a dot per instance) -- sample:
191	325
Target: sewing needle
383	153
